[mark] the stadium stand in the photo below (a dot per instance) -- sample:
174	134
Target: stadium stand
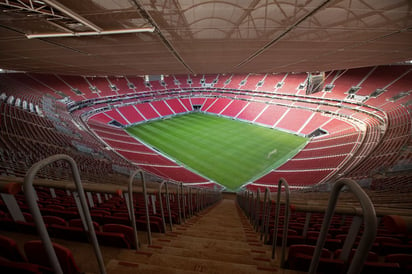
369	142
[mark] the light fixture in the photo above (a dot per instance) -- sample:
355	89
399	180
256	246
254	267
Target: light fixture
89	33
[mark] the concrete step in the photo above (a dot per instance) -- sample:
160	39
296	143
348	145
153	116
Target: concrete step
210	245
253	257
187	263
127	267
217	235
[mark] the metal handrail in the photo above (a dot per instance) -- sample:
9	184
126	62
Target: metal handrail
178	204
285	221
161	204
370	223
189	197
132	216
131	205
198	197
251	207
168	206
265	239
30	195
183	196
265	212
257	211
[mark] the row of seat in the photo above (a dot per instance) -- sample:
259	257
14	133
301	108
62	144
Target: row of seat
34	261
300	258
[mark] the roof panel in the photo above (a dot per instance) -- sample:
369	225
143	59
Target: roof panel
210	36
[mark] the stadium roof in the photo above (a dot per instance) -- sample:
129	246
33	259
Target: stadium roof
200	37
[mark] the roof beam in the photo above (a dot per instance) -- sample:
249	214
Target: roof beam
72	14
244	15
268	45
143	13
88	33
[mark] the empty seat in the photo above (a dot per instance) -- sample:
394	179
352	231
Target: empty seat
372	256
118	228
380	268
9	250
112	239
79	223
54	220
69	233
35	253
7	266
58	207
395	248
404	261
300	258
26	227
155	224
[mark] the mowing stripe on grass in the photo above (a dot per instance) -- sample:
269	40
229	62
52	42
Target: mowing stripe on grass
227	151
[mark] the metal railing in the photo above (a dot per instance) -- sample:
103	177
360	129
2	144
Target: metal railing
256	221
30	195
179	204
281	182
370	226
131	206
167	205
265	217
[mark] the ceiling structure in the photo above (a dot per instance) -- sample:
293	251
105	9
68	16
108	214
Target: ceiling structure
201	37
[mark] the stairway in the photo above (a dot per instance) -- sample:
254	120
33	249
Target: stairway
219	240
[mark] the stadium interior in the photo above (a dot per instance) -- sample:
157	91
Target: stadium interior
80	194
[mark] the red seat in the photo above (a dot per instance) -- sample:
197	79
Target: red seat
395	248
58	207
35	253
112	239
155	224
69	233
7	266
54	220
300	256
372	256
79	223
28	217
26	227
10	250
380	268
118	228
404	261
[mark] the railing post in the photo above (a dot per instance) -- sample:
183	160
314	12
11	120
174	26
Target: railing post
262	229
267	221
168	206
189	197
183	202
149	233
285	221
162	213
252	208
132	216
257	211
30	195
370	223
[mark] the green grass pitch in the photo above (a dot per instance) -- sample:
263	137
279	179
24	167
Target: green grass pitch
226	151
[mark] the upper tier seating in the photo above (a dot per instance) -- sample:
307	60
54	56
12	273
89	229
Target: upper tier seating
372	140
